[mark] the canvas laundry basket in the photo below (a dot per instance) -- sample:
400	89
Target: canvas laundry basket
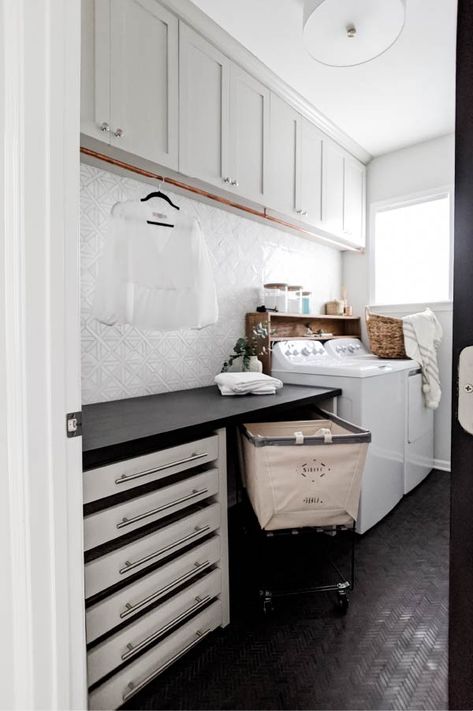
304	473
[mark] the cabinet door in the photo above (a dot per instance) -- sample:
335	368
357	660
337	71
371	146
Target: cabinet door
283	162
309	173
354	202
144	80
249	135
95	118
332	188
203	109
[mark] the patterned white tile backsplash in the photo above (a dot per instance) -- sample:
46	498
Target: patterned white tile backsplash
122	361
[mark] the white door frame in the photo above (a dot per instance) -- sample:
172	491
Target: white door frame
42	655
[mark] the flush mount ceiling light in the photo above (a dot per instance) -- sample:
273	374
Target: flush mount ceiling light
344	33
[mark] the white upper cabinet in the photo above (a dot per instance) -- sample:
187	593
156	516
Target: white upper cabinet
332	188
249	135
203	109
224	120
156	88
144	84
343	195
309	173
283	157
91	62
354	202
134	100
295	172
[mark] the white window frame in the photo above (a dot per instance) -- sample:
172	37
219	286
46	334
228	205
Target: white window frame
405	201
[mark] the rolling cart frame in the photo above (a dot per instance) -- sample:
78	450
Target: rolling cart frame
343	588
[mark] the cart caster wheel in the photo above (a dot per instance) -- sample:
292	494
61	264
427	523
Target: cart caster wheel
266	603
343	602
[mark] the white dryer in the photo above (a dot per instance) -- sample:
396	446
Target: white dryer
419	456
375	394
419	419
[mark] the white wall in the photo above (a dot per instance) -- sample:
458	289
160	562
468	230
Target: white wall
122	361
424	166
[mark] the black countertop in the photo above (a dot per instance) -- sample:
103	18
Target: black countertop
121	429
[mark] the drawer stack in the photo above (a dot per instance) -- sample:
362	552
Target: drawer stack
156	563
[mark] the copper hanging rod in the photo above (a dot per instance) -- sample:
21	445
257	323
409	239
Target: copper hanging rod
262	214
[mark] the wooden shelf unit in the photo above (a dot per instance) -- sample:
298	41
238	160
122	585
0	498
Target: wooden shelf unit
283	326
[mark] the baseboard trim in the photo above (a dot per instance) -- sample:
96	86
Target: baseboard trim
442	464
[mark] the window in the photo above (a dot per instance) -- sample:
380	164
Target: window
412	251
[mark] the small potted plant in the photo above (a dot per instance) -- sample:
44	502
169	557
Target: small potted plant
246	351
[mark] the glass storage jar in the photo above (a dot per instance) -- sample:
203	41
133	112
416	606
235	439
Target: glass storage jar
294	299
275	297
306	302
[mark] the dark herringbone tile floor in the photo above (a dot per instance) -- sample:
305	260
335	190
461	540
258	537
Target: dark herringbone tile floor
389	652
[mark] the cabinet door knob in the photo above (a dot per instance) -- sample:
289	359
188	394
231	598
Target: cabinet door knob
118	133
227	180
235	183
304	213
105	127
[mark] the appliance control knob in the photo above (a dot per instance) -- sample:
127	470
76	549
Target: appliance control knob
357	346
288	352
338	349
351	348
295	352
305	351
344	348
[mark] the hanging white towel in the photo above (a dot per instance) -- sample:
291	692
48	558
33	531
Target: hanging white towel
154	277
247	383
422	336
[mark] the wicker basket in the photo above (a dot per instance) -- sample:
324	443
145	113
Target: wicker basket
386	335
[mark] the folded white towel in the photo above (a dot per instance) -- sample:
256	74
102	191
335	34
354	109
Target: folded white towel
263	391
246	383
422	337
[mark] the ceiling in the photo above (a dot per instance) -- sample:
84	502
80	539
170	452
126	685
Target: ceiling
403	97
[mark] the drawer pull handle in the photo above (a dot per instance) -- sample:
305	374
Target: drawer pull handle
134	649
128	521
129	477
131	566
134	687
131	609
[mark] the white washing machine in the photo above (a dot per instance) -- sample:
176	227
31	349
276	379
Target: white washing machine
375	394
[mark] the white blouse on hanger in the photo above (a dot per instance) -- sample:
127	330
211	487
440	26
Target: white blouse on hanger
155	277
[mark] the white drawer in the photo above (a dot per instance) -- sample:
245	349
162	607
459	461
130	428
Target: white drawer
122	476
136	597
139	673
129	642
121	564
120	519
